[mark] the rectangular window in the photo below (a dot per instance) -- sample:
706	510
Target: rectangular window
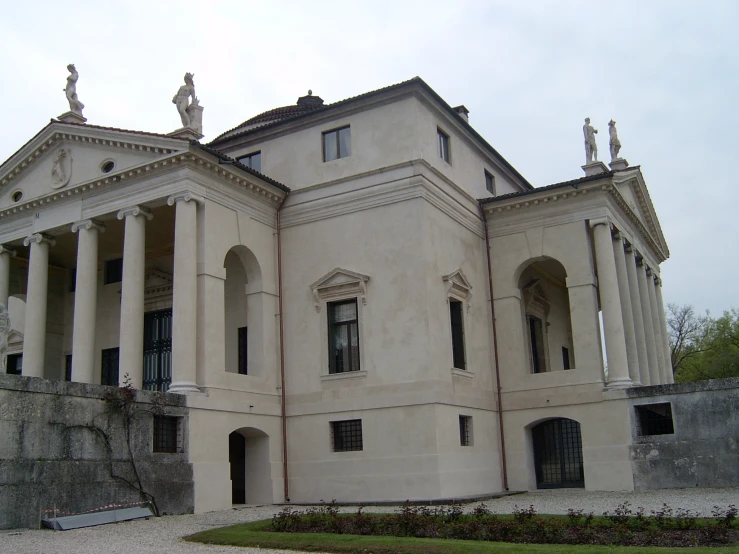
443	145
113	271
109	367
166	434
158	350
456	317
490	182
346	436
253	161
68	367
243	368
465	430
337	144
343	336
72	279
654	419
565	357
536	336
14	364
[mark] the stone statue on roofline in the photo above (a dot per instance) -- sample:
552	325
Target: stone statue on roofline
71	91
614	143
591	149
191	114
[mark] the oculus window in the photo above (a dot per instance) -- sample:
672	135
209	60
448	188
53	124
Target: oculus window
337	144
343	336
253	161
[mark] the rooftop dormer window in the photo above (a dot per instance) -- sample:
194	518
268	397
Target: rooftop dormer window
337	144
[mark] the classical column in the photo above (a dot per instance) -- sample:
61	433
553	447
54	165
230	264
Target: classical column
5	255
625	296
610	304
132	295
646	309
658	335
85	300
665	335
34	336
641	340
184	295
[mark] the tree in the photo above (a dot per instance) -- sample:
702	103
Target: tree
702	347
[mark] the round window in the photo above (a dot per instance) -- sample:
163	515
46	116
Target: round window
108	166
17	196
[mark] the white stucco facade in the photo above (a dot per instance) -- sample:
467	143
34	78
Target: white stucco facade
219	262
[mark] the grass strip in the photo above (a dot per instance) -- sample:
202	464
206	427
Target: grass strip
254	535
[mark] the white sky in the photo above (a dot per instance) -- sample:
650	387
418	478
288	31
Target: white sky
529	72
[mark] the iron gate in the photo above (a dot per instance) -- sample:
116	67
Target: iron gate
158	350
558	454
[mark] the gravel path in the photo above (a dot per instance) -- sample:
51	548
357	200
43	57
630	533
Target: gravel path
162	535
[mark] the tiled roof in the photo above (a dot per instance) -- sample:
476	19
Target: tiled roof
236	163
572	183
228	135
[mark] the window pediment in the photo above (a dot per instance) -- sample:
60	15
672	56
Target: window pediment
535	299
339	283
458	286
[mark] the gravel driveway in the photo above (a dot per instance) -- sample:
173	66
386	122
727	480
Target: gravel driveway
162	535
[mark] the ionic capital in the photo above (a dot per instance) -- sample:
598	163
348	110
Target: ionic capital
88	224
7	250
601	221
185	196
39	238
135	211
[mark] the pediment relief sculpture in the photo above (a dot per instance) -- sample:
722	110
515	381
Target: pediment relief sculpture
535	299
338	283
61	168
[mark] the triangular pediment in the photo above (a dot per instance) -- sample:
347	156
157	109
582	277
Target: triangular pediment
634	191
63	155
339	283
156	279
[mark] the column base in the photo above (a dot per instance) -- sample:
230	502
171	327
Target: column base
619	384
183	388
594	168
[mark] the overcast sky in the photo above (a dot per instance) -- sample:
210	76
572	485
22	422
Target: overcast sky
529	72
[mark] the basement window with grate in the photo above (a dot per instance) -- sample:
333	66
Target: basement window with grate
346	436
465	430
654	419
167	435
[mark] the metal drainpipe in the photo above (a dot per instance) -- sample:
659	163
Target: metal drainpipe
282	352
495	351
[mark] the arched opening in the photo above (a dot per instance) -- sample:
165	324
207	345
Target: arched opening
243	308
248	457
558	454
546	312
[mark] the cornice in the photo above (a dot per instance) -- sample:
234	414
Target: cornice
193	160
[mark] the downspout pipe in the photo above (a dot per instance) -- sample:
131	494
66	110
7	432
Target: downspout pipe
495	351
282	352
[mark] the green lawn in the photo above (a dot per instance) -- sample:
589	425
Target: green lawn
252	534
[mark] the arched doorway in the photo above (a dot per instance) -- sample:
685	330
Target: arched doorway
558	454
248	456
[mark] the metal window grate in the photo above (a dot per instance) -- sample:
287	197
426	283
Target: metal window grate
158	350
165	434
655	419
346	436
558	454
465	430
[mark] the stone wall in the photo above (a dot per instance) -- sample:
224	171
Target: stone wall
703	451
53	451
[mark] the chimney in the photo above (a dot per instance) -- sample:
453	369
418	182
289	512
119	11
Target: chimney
310	100
463	112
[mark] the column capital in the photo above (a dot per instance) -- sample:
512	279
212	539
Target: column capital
7	250
185	196
134	211
601	221
38	238
88	224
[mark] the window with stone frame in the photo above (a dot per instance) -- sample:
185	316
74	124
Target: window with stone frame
113	271
654	419
14	364
346	436
343	336
167	434
443	140
490	182
465	430
456	317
